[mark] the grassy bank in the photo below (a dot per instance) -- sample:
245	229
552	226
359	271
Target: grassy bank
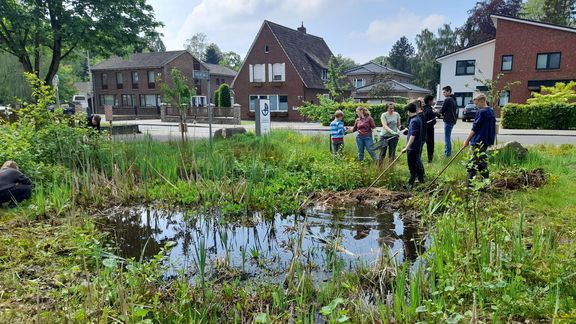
505	255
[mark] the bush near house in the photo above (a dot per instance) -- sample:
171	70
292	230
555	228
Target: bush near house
324	111
539	116
224	99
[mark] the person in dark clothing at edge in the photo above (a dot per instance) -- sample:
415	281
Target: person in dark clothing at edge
420	112
482	135
450	116
93	121
14	185
429	126
414	146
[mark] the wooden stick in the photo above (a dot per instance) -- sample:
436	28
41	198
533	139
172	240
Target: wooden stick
382	173
446	167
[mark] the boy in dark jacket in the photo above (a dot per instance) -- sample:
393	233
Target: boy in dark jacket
93	121
414	146
482	135
429	126
450	116
14	185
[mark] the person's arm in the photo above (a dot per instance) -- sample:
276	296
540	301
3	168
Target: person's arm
445	105
409	144
478	122
22	179
371	122
355	127
341	129
398	123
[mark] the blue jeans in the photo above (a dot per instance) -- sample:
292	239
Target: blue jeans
365	143
448	139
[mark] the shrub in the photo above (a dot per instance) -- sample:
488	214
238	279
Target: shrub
539	116
224	96
217	98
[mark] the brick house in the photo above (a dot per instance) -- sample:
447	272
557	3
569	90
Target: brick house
131	86
534	53
284	65
368	76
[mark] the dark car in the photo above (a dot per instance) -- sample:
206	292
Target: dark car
437	107
469	112
68	110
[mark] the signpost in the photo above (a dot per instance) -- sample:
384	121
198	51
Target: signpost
205	75
263	117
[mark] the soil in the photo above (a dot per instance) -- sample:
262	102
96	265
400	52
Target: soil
374	197
520	180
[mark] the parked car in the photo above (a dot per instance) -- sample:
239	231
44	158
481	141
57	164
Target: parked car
437	107
469	112
68	109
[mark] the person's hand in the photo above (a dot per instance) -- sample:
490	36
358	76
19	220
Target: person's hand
466	143
404	149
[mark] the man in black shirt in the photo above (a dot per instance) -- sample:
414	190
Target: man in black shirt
429	126
14	185
414	146
450	116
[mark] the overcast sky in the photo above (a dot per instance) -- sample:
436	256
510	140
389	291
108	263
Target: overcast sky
359	29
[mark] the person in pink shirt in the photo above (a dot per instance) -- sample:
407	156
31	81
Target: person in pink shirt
364	125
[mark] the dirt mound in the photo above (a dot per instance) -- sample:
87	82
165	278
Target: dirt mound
521	179
375	197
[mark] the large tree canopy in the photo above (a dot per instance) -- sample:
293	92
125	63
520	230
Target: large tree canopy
106	27
479	27
400	54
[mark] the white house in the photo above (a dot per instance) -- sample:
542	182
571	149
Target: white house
460	69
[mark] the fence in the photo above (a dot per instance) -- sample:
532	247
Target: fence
222	115
129	112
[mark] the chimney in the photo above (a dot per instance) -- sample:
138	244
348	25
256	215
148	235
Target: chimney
302	29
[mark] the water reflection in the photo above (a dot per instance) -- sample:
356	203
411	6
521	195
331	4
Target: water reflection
360	235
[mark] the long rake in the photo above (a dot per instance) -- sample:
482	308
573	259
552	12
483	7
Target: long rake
446	166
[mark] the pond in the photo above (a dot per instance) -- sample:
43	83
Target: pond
260	247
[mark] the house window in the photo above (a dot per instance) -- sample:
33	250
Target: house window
504	98
462	98
149	100
108	100
199	101
548	61
507	62
257	73
278	103
358	83
151	79
266	49
127	100
135	80
104	80
324	74
326	95
119	80
276	72
465	67
217	82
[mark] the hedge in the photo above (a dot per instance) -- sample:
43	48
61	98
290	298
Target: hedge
324	113
539	116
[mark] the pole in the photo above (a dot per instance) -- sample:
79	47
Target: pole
382	173
209	114
446	167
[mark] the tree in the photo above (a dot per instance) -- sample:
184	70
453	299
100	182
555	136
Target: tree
196	45
231	60
383	87
224	99
400	55
178	95
533	10
213	55
345	63
29	26
479	27
560	12
335	84
155	44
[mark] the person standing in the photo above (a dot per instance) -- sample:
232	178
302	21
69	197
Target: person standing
482	135
364	125
337	132
450	117
414	145
390	125
14	185
429	126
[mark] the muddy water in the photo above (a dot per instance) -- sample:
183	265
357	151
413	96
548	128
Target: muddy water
261	247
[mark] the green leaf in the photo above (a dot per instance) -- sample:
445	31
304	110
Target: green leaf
261	318
109	263
421	309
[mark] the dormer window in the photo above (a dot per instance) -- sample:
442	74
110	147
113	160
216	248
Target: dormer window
358	83
266	49
324	74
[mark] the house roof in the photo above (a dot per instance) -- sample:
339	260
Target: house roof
216	69
139	60
308	54
465	49
395	86
83	87
530	22
371	68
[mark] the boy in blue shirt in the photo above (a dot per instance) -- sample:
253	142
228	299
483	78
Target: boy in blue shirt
414	145
337	132
482	135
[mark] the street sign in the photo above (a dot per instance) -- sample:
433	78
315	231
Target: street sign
201	75
263	126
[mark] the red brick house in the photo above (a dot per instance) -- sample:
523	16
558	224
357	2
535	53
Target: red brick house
284	65
534	53
131	86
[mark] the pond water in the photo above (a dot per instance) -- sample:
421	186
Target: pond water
261	247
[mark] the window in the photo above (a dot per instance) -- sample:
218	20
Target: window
465	67
324	74
504	98
217	82
199	101
507	62
119	80
108	100
326	95
257	73
277	102
151	79
358	83
548	61
127	100
276	72
462	98
104	80
266	49
149	100
135	80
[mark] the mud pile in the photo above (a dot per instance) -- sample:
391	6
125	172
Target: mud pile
374	197
520	180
